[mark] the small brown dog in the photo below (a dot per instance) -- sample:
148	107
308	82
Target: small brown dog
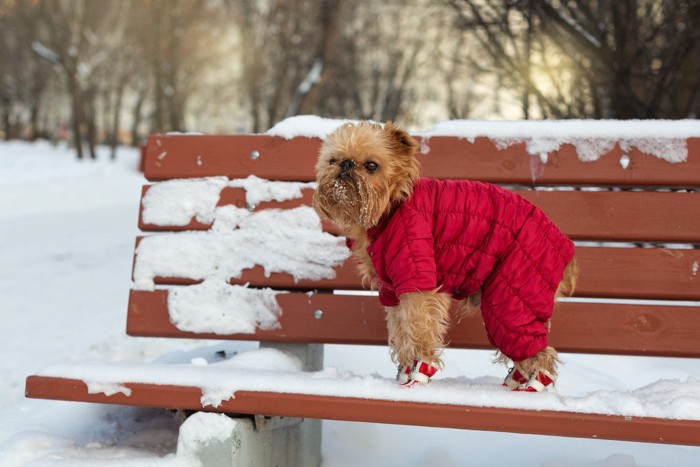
425	243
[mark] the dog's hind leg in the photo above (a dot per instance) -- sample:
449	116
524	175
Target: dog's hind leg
539	372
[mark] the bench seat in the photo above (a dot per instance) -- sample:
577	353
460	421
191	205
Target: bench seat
448	403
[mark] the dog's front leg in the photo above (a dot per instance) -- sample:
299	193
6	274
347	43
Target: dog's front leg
396	331
417	327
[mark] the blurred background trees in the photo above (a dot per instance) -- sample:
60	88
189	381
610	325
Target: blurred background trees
111	71
592	59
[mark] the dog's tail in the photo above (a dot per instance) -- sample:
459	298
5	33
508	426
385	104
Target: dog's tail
568	283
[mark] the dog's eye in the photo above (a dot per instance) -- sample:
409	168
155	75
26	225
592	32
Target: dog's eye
332	161
371	167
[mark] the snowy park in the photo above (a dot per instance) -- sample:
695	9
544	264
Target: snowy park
165	243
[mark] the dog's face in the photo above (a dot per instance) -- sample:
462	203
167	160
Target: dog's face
362	172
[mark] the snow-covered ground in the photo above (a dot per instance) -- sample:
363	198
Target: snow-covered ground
67	234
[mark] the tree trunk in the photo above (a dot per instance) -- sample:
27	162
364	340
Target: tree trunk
92	136
331	11
77	114
6	121
90	120
106	114
175	112
157	124
528	58
137	117
34	118
114	141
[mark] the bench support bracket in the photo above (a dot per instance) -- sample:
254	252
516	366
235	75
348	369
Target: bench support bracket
264	440
298	444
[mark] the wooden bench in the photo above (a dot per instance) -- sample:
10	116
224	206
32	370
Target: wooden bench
648	205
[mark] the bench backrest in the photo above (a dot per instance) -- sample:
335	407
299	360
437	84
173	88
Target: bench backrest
635	217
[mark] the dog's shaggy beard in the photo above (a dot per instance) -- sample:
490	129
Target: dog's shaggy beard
350	202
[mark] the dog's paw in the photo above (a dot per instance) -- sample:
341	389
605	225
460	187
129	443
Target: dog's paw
412	384
403	375
539	382
515	379
417	374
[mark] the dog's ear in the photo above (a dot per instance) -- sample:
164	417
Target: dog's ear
400	139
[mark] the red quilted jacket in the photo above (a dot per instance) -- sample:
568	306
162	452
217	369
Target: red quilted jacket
463	236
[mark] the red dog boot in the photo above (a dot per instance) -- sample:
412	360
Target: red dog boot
421	372
540	381
515	379
403	374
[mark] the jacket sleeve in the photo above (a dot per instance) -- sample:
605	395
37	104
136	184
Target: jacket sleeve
410	262
387	296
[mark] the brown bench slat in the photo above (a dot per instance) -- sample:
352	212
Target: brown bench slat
545	422
637	273
622	216
583	215
482	160
672	331
185	156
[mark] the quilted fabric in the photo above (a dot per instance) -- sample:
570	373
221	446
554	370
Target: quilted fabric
462	236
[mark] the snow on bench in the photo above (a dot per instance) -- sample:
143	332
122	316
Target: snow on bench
271	370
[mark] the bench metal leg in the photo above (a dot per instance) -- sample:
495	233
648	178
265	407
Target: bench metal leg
263	441
311	355
294	445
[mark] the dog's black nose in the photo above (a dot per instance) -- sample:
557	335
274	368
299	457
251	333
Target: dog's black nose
346	165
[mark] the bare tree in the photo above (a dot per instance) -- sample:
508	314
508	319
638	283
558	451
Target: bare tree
308	94
158	65
80	38
23	76
278	49
169	29
457	78
359	59
602	59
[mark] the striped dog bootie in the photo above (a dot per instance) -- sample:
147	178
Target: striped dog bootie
538	382
515	379
418	374
404	374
